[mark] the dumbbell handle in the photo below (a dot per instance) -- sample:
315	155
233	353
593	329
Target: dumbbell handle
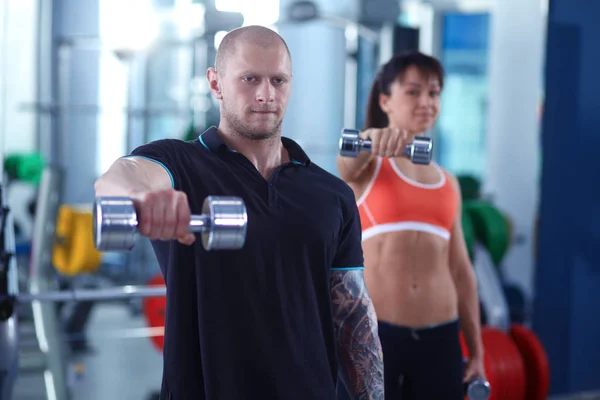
202	222
367	145
199	223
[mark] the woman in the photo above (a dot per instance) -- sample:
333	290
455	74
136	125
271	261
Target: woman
417	268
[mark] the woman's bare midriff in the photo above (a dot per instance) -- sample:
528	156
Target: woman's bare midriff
407	272
408	278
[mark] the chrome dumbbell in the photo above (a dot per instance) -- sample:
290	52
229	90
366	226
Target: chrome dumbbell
477	389
419	151
222	223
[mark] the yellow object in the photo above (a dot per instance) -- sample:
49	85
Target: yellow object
74	251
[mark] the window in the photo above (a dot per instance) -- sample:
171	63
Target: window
461	129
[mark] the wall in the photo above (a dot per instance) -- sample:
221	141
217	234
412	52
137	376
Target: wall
489	126
461	128
18	75
74	19
512	141
568	268
315	113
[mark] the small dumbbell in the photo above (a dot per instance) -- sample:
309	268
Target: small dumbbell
222	223
477	389
419	151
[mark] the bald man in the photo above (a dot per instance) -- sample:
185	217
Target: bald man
281	317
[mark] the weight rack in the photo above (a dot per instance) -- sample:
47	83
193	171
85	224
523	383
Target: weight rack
42	294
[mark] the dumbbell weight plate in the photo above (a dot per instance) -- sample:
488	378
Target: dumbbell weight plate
114	224
350	143
478	390
227	224
419	152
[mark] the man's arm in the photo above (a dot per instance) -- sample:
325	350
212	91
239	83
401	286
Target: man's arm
466	286
150	178
130	175
354	319
361	358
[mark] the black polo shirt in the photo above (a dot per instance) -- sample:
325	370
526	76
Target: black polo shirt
255	323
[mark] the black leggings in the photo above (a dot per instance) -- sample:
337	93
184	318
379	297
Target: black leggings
420	363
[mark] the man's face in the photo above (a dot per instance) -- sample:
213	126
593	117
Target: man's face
255	90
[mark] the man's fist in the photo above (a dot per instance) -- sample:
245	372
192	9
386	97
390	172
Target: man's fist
164	215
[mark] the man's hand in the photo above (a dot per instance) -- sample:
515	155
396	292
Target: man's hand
474	369
387	142
164	215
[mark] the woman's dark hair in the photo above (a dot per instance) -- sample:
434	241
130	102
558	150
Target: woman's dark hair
394	69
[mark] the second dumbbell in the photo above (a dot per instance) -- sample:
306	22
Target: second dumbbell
419	151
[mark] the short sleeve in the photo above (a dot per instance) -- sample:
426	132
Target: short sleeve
164	153
349	254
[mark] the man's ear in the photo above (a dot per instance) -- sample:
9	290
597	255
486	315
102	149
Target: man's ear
214	83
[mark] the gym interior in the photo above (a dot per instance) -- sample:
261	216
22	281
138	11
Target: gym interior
84	82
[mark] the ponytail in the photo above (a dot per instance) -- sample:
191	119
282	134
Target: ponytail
375	117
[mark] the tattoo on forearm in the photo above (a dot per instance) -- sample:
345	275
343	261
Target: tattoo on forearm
355	322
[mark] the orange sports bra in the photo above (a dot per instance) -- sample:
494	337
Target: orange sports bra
393	202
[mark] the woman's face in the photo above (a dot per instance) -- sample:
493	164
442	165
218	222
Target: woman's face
414	102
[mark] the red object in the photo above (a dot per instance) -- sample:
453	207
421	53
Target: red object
489	364
154	309
508	362
493	367
537	367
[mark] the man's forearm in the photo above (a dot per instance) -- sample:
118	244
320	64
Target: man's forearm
468	308
131	175
361	359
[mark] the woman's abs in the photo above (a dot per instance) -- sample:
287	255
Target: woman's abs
408	278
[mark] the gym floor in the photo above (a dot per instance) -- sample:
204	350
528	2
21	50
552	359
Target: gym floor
113	368
124	368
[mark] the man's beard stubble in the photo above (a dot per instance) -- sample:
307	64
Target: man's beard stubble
248	131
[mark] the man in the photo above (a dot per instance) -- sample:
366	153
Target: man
276	318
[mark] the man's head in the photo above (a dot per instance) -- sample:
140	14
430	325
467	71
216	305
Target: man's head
252	81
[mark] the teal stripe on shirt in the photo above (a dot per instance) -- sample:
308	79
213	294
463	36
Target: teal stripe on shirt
202	142
355	268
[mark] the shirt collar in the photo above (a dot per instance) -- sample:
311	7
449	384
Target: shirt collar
211	140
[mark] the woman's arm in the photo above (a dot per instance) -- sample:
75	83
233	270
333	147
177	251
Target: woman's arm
466	287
